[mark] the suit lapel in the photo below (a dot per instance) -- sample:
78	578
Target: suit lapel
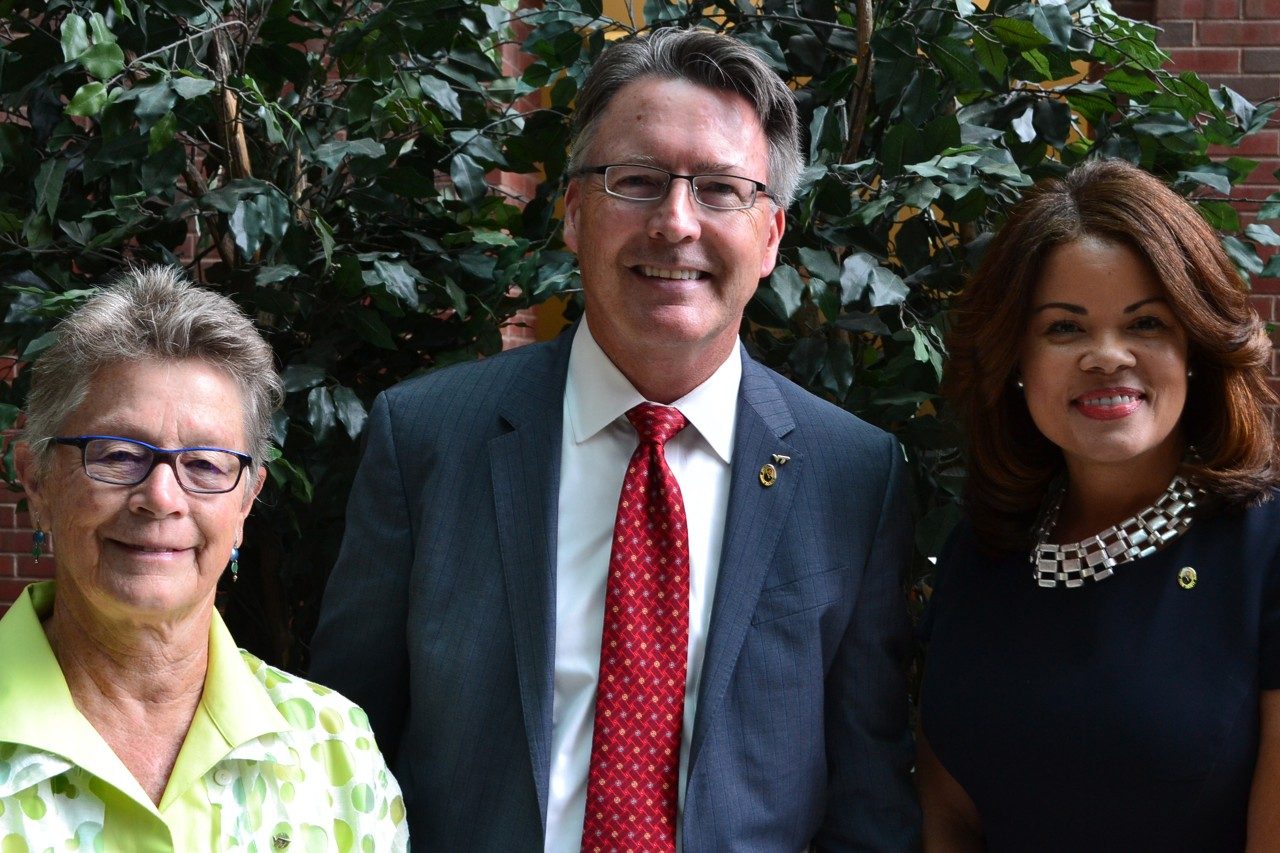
752	530
525	466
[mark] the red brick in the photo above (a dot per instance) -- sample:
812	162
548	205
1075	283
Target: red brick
1236	33
1264	143
15	541
1265	172
26	567
10	589
1255	87
1176	34
1206	60
1265	306
1252	192
1261	60
1138	10
1167	10
1262	9
1268	287
8	516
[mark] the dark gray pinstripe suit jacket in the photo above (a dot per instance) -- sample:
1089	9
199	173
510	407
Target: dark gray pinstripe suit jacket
438	618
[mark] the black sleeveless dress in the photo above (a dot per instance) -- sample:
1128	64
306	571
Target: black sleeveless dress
1121	715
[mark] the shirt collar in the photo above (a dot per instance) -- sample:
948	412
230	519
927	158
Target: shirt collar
597	394
36	708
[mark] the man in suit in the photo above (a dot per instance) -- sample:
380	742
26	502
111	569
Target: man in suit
754	695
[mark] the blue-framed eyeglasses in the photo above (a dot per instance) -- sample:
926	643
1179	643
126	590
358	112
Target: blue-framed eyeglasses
649	183
127	462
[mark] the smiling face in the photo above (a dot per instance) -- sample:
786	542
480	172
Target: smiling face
1104	360
669	279
150	551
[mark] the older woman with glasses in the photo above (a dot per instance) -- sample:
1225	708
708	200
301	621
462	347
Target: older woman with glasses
128	718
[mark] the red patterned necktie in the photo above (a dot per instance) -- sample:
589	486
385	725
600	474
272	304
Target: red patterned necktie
635	749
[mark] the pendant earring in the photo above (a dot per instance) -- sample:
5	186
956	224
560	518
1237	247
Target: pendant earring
37	542
235	565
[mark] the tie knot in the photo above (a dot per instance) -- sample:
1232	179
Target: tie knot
656	423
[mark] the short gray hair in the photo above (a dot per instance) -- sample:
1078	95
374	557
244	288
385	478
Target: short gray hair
152	313
707	59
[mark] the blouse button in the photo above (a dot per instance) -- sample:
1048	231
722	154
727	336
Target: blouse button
222	776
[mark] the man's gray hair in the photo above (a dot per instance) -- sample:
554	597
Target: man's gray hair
707	59
152	314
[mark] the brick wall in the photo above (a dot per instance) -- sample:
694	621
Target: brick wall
1234	43
17	568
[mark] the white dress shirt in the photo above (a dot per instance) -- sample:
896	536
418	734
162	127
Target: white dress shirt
596	444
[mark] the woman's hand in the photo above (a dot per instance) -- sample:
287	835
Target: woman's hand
951	821
1264	799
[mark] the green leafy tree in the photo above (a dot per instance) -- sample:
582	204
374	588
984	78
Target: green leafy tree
927	120
334	167
323	163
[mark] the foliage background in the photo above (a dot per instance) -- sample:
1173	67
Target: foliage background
335	167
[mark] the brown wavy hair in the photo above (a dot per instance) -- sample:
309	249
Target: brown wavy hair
1011	463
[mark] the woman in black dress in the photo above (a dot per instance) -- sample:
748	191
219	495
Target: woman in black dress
1104	661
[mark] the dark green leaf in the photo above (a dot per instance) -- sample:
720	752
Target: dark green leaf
1263	235
789	286
1212	179
1238	104
274	274
807	357
887	288
957	60
369	326
1270	208
299	377
162	133
398	278
857	321
258	218
101	32
1019	34
992	57
457	298
350	410
74	37
320	412
89	100
192	87
820	264
103	61
1221	215
332	153
1052	119
468	178
287	475
1242	255
440	93
1129	82
49	182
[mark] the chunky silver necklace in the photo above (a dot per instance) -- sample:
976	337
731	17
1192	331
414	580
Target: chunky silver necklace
1096	557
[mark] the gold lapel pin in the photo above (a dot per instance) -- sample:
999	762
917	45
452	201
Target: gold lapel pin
768	475
1187	577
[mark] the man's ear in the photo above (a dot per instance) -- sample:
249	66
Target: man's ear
572	200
